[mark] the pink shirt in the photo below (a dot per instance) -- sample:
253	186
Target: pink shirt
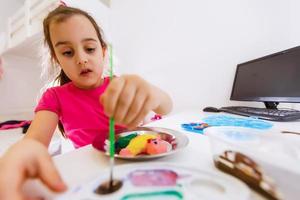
79	111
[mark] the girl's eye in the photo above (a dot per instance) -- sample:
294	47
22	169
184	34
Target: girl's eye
90	50
67	53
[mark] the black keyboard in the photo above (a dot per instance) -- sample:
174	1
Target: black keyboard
263	113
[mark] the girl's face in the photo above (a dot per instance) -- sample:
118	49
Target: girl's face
78	51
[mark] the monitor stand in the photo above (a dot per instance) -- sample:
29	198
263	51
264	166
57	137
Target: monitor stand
271	105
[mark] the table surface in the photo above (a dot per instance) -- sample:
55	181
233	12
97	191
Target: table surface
83	164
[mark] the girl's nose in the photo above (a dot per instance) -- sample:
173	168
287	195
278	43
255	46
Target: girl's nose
82	62
81	59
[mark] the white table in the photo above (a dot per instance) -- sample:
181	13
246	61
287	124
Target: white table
11	136
83	164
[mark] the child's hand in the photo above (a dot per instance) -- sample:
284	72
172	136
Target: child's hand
27	159
130	98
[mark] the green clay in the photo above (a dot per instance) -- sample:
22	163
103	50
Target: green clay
122	142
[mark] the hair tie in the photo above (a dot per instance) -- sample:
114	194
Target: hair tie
62	3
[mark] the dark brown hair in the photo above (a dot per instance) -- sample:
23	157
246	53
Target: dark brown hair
60	14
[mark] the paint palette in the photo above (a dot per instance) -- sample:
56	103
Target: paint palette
163	181
177	141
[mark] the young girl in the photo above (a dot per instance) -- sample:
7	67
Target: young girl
84	102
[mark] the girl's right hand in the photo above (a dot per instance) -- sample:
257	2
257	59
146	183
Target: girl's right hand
129	99
24	160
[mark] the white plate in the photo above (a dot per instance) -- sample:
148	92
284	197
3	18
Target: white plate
177	139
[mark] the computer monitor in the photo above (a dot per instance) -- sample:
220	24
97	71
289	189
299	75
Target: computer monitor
271	79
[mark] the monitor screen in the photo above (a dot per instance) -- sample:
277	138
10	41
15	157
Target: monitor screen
273	78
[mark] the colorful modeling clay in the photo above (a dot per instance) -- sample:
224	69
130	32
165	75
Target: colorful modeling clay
157	146
123	141
137	145
146	143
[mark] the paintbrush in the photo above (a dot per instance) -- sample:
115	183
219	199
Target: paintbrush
111	127
112	185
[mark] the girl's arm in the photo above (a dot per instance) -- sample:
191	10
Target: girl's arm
42	127
166	103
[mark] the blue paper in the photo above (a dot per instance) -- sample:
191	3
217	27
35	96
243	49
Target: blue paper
226	120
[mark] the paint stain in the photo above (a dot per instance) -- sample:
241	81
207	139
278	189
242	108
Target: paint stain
156	177
158	195
108	188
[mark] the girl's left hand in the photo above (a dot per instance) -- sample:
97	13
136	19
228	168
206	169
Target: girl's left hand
130	98
25	160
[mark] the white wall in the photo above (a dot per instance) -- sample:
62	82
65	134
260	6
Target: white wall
19	86
295	28
294	22
96	8
6	10
191	47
